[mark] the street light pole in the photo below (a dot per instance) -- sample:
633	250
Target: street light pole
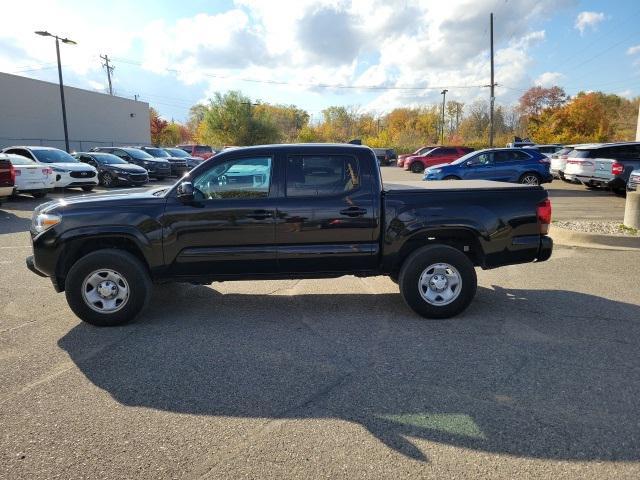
64	108
444	96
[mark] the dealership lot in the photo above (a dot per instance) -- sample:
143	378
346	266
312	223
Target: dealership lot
329	378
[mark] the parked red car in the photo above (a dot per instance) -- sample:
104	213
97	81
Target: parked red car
202	151
420	151
435	156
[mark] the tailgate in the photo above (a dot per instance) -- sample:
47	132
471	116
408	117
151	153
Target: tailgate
602	168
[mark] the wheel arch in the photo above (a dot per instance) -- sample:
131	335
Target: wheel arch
77	248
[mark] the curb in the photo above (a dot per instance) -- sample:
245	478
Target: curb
572	238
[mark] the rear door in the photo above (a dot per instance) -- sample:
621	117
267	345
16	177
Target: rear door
328	219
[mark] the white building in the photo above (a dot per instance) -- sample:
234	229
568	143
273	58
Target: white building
31	114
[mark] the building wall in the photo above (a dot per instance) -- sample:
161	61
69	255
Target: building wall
31	114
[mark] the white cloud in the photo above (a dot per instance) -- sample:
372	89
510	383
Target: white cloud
633	50
301	42
586	20
549	79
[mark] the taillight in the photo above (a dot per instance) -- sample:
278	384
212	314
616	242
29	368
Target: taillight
13	173
544	216
617	168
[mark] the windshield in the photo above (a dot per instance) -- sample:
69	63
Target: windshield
466	157
157	152
139	154
176	152
53	156
19	160
108	159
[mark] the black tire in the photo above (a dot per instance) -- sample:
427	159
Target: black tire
419	262
451	177
128	267
38	194
87	188
417	167
529	177
620	192
106	180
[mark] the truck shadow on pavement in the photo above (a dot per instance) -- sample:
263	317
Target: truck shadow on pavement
533	373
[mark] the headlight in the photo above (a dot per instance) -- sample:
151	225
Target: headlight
44	221
60	170
433	170
146	162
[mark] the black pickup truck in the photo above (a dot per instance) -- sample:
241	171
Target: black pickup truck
287	211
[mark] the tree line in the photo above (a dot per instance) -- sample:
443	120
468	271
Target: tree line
546	115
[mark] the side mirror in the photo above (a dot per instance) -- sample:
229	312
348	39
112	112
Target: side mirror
185	192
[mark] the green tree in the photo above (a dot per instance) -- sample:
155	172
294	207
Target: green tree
233	120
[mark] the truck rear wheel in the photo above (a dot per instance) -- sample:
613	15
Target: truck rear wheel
107	287
438	281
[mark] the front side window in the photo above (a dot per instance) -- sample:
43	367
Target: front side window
235	179
321	175
481	159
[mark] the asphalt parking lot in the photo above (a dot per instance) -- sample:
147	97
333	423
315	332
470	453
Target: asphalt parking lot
539	378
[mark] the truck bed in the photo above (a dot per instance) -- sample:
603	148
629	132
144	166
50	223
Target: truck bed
419	185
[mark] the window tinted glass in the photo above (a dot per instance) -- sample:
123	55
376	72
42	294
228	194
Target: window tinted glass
177	152
203	149
156	152
139	154
448	151
516	155
321	175
240	178
53	156
580	154
481	159
503	156
108	159
20	160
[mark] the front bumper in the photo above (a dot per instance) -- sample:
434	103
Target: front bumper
65	179
634	183
32	266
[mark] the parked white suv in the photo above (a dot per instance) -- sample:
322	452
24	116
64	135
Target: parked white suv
68	171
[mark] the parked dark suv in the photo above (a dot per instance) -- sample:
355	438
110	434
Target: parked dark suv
157	167
178	165
385	155
113	170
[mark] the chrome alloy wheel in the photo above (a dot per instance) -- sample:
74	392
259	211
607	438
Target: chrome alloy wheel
530	180
105	291
440	284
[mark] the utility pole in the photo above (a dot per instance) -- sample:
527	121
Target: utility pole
444	95
64	107
110	69
492	99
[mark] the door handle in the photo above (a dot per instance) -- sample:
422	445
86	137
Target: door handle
259	214
353	212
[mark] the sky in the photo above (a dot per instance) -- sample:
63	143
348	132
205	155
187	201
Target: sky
373	54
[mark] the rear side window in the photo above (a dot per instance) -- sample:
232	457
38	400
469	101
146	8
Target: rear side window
623	152
448	151
321	175
203	149
516	155
580	154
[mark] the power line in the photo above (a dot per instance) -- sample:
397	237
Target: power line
311	85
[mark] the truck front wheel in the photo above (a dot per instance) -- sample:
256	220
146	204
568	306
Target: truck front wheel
107	287
438	281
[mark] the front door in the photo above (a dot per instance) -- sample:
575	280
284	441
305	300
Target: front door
327	220
230	226
480	167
